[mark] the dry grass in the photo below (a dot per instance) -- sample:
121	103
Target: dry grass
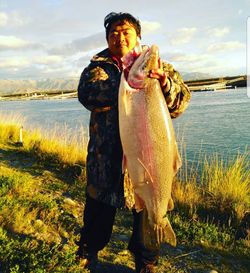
64	145
227	183
221	191
211	184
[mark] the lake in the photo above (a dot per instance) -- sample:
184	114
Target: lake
215	121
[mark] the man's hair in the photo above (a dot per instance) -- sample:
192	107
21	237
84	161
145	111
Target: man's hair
114	17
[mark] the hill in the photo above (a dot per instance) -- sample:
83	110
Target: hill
25	86
22	86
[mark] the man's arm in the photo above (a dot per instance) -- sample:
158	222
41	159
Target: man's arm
176	93
95	89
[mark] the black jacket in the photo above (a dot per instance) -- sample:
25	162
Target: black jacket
98	92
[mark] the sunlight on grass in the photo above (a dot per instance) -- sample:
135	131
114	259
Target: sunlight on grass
61	144
9	127
41	211
228	183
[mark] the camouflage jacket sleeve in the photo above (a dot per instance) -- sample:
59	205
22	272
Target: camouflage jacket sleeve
177	95
97	89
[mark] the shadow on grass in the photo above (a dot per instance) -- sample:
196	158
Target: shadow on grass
106	267
28	161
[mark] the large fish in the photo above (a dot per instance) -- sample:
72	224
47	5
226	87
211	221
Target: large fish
149	145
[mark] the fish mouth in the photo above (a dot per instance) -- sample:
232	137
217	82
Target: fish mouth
153	58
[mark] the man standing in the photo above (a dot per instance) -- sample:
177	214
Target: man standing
98	92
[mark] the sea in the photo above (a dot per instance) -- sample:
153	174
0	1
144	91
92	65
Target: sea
215	122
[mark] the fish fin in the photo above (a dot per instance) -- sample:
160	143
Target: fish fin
148	175
124	163
139	204
153	236
170	204
168	234
129	193
177	160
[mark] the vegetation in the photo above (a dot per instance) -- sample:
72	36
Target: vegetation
42	200
54	145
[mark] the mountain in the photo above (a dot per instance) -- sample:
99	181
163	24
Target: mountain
26	86
188	76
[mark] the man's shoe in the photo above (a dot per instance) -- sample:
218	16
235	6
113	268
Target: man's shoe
142	267
149	268
87	261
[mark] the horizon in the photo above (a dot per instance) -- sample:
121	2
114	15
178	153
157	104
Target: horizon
56	39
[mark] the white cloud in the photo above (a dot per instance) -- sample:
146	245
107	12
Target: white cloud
183	36
47	60
148	26
181	57
17	20
12	42
15	43
80	45
218	32
13	19
226	46
14	62
3	19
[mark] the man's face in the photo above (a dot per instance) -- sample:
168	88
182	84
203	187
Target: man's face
122	38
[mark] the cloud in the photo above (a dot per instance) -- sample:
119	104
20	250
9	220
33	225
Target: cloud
80	45
3	19
47	60
225	46
183	36
218	32
14	63
12	42
148	26
13	19
181	57
17	20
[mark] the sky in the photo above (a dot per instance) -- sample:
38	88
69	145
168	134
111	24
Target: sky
57	38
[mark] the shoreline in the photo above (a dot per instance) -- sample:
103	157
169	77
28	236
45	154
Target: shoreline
201	85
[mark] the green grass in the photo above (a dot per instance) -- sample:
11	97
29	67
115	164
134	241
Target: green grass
42	200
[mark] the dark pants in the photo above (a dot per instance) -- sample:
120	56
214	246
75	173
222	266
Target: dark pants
96	232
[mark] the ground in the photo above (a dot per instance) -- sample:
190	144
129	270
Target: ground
52	248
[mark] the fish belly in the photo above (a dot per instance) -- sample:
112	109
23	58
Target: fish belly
150	150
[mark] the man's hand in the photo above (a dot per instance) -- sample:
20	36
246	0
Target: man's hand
161	75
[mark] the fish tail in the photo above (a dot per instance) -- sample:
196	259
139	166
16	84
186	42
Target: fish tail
169	235
153	236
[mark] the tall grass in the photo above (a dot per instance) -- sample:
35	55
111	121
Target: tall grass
60	144
227	184
213	185
217	188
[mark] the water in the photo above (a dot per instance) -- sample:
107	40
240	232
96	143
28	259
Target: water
215	122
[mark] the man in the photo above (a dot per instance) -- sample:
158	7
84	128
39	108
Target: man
98	92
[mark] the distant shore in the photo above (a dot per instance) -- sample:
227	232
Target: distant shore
210	84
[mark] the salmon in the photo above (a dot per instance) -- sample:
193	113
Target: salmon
150	150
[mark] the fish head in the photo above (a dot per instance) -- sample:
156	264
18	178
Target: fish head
142	64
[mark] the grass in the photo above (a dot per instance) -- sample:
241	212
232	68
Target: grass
221	192
42	201
54	145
